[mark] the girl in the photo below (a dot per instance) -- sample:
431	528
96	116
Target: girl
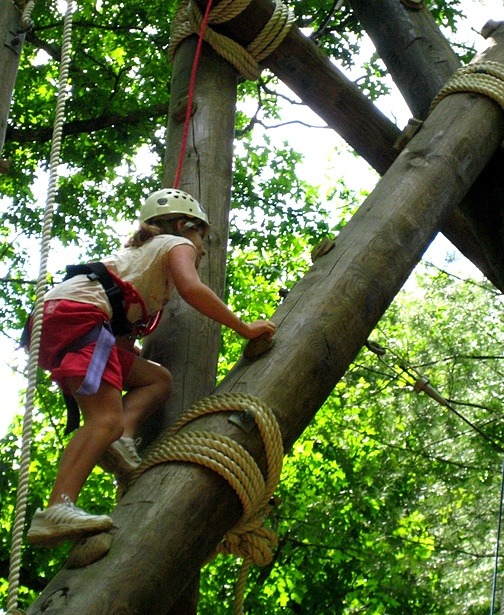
90	322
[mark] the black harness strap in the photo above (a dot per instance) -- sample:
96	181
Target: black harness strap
97	271
119	324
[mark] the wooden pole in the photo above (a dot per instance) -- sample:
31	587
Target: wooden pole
173	517
410	43
11	42
421	61
185	342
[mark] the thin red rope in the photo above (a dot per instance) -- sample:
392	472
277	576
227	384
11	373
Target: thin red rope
190	95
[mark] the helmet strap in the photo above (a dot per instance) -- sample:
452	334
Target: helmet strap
188	226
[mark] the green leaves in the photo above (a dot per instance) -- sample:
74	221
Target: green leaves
388	504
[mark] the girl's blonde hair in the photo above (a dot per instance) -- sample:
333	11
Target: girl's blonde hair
148	230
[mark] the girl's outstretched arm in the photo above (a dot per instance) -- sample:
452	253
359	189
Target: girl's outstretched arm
181	263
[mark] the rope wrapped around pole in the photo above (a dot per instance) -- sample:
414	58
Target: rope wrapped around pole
249	539
188	20
485	78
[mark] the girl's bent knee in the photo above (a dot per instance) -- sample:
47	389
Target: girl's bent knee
109	424
164	382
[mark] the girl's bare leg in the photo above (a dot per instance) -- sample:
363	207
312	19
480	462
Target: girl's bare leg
107	416
103	424
149	386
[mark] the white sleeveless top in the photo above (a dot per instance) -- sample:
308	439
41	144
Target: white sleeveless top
143	268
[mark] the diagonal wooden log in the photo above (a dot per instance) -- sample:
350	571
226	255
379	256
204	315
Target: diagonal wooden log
418	43
174	516
420	62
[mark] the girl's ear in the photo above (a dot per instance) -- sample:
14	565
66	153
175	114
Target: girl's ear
179	225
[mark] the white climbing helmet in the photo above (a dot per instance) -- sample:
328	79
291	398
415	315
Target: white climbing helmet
172	203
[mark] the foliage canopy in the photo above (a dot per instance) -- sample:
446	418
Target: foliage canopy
381	500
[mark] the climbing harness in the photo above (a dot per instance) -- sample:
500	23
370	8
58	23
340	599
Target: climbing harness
102	335
98	272
20	512
249	539
119	324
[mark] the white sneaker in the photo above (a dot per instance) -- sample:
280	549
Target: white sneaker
61	522
121	457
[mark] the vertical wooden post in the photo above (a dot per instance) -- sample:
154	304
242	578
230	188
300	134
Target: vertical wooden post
11	42
185	342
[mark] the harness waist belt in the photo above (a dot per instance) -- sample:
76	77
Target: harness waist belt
105	341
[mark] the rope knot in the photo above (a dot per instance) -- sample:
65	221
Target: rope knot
252	541
189	19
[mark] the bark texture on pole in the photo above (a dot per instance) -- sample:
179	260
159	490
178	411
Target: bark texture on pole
410	43
172	518
11	42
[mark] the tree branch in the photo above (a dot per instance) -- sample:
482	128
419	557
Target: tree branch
108	120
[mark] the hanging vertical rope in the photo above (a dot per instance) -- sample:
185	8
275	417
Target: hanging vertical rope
26	20
192	82
20	513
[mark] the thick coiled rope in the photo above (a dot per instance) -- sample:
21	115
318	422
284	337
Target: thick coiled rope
20	513
249	539
485	78
246	60
26	8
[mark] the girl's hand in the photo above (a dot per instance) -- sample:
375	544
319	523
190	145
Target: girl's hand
257	328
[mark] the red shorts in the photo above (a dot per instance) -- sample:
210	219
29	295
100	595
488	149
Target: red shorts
65	322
